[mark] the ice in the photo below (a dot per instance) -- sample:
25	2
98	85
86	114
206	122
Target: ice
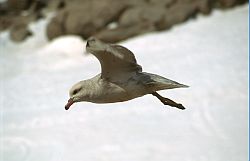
210	54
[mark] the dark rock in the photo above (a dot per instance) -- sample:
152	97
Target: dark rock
134	3
88	17
153	16
55	5
93	17
204	6
18	5
5	22
150	14
123	32
56	26
19	32
14	13
3	8
229	3
172	16
9	20
38	5
164	3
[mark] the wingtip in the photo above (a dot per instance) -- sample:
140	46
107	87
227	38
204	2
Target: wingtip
184	86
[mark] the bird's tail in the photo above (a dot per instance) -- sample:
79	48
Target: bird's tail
155	82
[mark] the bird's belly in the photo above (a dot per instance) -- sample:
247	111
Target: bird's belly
110	98
116	93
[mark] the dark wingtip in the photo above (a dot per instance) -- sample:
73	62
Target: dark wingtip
184	86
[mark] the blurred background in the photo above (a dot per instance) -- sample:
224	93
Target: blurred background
201	43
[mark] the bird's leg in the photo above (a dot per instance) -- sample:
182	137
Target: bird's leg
167	101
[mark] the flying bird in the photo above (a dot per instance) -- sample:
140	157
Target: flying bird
121	78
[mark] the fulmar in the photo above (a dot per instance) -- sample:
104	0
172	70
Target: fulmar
121	78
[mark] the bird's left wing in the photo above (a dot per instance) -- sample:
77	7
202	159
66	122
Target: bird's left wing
117	62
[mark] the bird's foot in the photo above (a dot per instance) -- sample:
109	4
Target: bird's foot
169	102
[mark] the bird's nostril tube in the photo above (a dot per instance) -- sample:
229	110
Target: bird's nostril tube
87	43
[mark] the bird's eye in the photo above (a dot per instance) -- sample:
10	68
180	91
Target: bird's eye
76	91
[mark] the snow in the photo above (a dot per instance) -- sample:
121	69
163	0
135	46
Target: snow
210	54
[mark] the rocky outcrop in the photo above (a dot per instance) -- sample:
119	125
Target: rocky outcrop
19	32
84	18
92	18
97	18
17	14
229	3
18	5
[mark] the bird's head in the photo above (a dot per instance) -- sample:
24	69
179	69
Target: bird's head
77	94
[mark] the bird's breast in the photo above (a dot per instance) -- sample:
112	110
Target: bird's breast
110	92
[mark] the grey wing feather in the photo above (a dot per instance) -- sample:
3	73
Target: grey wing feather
127	56
118	62
126	53
157	82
